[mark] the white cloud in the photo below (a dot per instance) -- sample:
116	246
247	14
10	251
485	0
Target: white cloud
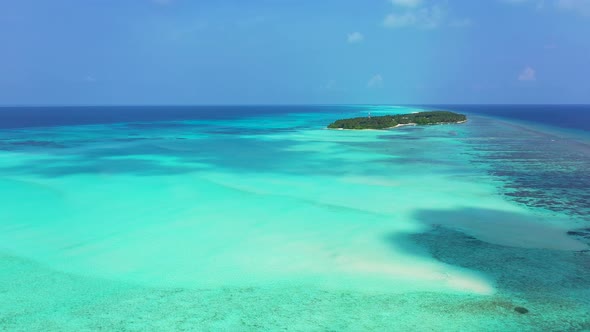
461	23
515	1
407	3
580	6
425	17
89	79
355	37
527	74
399	20
539	4
375	81
330	84
332	87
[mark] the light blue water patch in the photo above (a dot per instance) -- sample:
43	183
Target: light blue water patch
273	222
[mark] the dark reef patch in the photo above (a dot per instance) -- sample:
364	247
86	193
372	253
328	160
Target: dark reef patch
538	170
582	234
10	145
555	275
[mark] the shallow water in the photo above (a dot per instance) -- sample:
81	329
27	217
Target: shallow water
270	222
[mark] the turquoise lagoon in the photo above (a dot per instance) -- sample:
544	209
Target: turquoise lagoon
268	221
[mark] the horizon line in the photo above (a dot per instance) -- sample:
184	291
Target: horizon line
293	104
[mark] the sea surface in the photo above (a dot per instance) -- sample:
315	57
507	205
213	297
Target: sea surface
257	218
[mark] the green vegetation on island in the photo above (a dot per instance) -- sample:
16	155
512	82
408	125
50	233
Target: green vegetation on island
390	121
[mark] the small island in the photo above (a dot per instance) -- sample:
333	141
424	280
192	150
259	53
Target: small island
392	121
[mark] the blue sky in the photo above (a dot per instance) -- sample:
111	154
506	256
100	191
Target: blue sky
294	51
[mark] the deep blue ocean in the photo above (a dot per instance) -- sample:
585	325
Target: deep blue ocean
565	116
